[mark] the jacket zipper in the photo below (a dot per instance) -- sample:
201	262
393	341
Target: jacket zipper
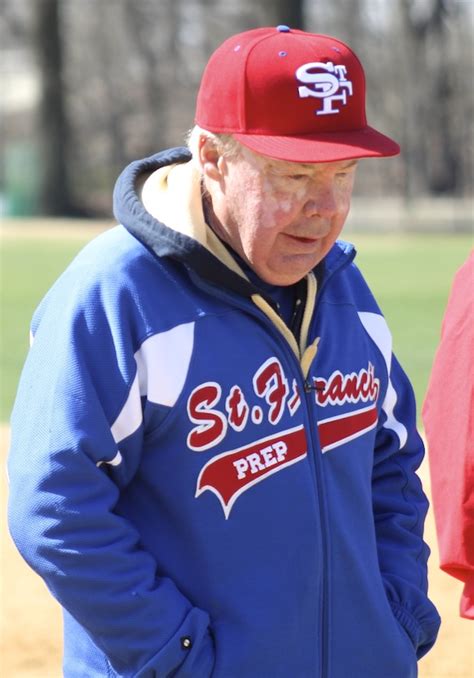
318	470
315	456
309	390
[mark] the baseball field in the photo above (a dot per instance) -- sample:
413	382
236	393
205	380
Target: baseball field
411	277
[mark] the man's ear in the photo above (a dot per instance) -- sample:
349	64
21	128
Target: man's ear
211	161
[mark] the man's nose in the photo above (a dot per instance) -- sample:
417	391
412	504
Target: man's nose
321	202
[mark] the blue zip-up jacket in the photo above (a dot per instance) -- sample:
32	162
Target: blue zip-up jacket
204	491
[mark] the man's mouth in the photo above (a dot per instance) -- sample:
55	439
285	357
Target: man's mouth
302	239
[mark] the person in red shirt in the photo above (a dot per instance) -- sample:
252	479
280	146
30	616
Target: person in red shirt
448	417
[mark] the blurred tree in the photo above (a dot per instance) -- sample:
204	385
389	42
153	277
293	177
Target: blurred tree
287	12
436	132
53	134
138	21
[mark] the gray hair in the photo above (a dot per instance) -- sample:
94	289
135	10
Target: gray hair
224	143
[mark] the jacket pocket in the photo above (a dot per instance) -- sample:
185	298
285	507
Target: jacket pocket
200	663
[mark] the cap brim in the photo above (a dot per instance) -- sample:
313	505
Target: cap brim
322	147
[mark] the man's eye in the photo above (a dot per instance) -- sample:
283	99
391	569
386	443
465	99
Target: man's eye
297	177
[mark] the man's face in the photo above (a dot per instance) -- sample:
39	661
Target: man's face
281	217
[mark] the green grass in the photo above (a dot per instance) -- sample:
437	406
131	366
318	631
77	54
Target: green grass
28	267
410	276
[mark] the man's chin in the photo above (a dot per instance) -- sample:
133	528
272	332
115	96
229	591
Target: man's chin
294	269
285	279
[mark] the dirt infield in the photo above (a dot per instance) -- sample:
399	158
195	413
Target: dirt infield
30	622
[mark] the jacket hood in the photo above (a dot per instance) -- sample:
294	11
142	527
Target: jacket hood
158	200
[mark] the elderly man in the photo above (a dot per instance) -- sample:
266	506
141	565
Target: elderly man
214	449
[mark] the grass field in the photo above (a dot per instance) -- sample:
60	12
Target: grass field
411	277
409	274
31	258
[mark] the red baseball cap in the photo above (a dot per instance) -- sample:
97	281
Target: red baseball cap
290	95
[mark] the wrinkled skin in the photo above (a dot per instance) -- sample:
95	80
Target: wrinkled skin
281	217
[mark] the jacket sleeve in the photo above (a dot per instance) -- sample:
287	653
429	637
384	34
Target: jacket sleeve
400	508
448	416
63	494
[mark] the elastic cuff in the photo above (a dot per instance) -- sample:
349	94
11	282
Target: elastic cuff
423	636
408	622
467	599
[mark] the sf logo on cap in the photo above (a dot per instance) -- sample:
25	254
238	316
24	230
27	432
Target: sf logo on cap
330	85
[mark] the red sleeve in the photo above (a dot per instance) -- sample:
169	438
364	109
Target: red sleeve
448	417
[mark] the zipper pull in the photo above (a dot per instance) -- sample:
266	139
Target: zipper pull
308	387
